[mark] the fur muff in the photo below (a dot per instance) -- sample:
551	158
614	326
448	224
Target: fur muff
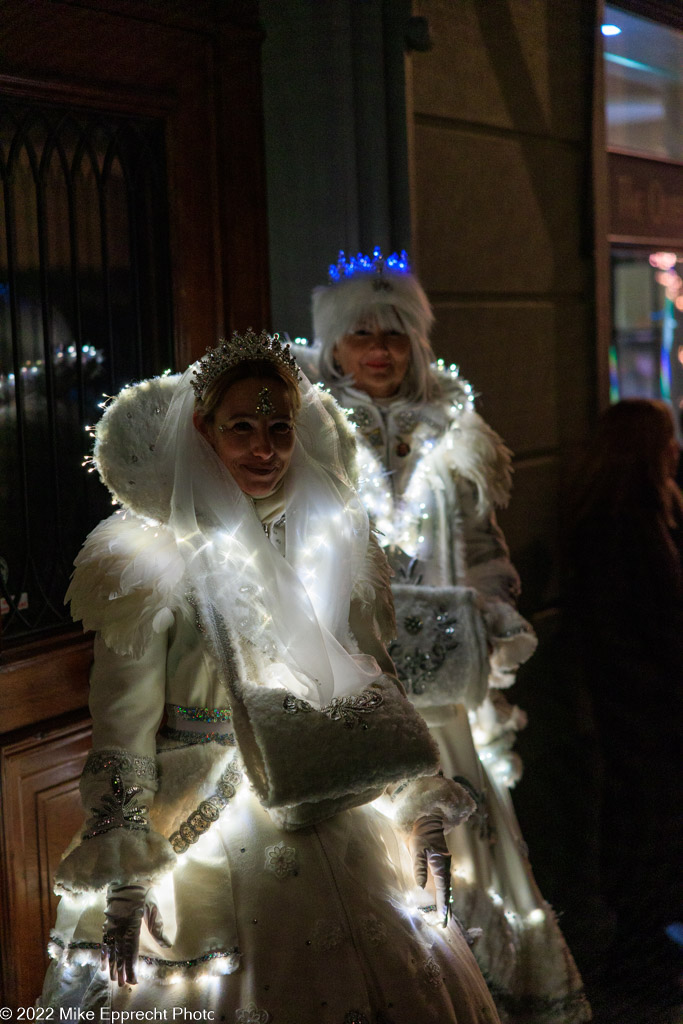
433	622
353	748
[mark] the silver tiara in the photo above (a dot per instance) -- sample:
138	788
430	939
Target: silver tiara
238	349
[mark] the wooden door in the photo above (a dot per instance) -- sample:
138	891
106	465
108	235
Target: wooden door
40	778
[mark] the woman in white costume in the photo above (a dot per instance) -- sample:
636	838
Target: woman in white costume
431	473
244	715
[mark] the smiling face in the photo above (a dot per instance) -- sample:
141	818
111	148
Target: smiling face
375	358
252	433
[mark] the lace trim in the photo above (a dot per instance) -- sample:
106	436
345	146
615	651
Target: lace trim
121	762
163	966
349	710
201	820
195	714
119	810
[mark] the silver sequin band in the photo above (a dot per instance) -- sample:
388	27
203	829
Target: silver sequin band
190	737
188	726
58	948
201	820
196	714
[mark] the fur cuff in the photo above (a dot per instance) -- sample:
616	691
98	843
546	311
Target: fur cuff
432	795
512	640
119	857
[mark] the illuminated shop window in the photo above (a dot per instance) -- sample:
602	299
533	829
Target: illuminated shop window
646	357
644	85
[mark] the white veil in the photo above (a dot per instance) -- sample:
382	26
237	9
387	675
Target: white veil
293	608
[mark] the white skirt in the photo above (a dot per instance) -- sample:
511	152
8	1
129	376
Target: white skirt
319	926
521	950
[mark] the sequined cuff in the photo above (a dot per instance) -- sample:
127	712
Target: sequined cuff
118	810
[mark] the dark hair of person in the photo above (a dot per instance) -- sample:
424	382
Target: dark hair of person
630	462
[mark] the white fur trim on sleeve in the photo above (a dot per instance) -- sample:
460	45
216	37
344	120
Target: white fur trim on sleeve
433	794
117	857
126	582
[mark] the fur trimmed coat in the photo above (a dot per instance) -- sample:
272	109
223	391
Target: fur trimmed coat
167	801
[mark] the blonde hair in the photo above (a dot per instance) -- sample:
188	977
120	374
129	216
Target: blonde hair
218	388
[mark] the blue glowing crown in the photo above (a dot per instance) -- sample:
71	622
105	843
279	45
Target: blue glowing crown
344	270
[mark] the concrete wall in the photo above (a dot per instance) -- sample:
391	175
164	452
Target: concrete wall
335	140
502	218
500	117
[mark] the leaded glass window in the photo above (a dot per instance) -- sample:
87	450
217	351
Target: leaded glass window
84	309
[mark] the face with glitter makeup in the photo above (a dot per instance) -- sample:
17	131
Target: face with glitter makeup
252	433
375	358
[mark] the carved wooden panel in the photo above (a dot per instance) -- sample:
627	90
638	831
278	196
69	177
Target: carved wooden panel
41	811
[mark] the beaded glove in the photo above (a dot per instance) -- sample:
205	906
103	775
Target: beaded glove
127	905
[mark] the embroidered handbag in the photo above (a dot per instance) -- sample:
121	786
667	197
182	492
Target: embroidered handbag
440	651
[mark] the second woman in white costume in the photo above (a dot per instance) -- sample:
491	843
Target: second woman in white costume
431	474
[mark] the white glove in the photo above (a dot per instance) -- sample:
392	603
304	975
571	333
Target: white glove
427	845
127	905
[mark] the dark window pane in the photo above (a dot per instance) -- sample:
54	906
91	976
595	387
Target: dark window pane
84	309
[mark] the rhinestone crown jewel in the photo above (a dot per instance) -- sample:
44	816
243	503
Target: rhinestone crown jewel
344	269
237	349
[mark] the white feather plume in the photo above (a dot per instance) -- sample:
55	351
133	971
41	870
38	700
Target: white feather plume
126	583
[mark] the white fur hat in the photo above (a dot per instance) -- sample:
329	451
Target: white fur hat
363	286
383	288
